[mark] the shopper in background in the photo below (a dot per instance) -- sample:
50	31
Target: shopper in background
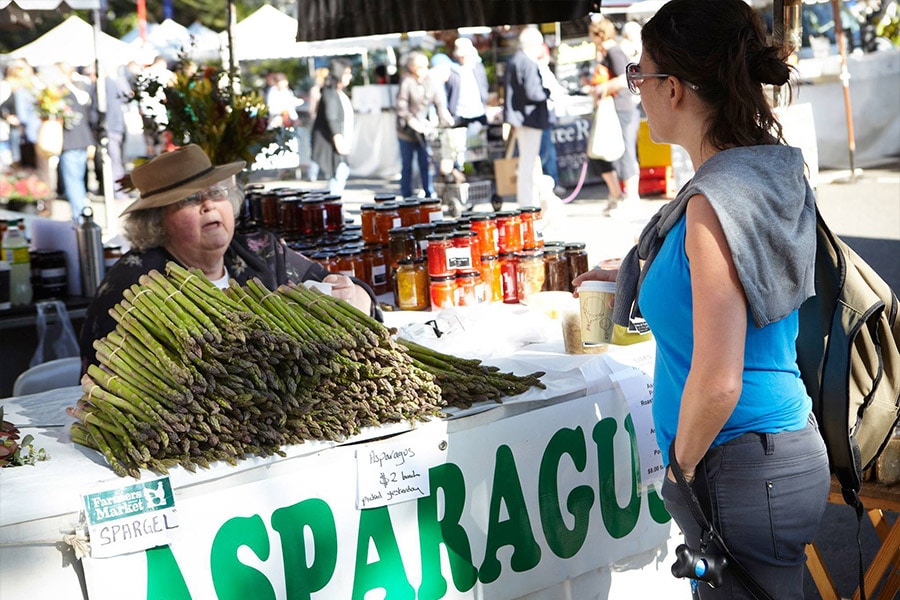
611	57
22	114
185	214
78	134
526	110
726	266
467	90
549	158
332	135
282	102
312	105
420	109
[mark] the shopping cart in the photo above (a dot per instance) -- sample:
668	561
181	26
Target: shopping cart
457	154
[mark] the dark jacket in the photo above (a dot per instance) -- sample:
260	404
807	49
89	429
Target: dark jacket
259	255
329	122
453	83
525	99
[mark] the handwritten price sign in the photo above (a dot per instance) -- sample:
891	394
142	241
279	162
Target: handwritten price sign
396	470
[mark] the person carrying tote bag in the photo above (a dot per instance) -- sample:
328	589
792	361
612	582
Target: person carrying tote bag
605	141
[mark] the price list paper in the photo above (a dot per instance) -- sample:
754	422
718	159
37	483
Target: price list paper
396	470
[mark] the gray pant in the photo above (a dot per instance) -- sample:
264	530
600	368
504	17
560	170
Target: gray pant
767	493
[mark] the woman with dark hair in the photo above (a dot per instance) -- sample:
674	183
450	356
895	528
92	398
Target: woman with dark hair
726	265
332	133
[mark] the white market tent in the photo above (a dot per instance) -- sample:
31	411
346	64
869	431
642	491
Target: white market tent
73	41
169	38
269	33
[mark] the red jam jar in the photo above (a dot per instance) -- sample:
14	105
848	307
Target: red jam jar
430	210
532	228
367	223
443	292
466	254
508	278
409	212
313	215
386	218
334	213
509	230
488	238
438	246
468	288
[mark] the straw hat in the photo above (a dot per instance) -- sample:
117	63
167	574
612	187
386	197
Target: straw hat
175	175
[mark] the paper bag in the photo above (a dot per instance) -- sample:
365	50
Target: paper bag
605	140
50	138
505	170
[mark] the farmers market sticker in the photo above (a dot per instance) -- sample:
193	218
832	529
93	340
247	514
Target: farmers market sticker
130	518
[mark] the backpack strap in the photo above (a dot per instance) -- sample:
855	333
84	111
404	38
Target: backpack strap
743	575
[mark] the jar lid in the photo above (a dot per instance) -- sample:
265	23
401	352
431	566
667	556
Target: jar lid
505	214
442	278
411	260
331	197
385	206
419	226
437	237
488	257
384	196
349	250
481	217
467	274
529	254
554	249
575	246
429	201
313	200
407	202
367	207
399	230
465	233
530	209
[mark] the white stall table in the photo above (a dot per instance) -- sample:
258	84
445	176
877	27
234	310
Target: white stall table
544	496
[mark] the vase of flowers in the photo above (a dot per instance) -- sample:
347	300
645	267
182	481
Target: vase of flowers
53	107
204	108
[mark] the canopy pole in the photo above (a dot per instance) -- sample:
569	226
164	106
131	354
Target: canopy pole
845	83
102	108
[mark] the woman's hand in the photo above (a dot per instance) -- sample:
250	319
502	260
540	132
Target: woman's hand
595	274
342	287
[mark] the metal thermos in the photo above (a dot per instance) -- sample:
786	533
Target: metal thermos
90	253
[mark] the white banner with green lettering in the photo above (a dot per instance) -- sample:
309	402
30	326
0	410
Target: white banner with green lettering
467	508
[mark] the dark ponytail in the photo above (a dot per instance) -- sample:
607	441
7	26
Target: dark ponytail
720	45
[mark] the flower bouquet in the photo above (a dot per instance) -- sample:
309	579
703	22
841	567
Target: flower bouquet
204	108
22	189
52	105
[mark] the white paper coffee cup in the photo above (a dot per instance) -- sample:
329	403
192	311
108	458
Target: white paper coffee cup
596	299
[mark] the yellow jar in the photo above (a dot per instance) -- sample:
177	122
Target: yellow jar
412	285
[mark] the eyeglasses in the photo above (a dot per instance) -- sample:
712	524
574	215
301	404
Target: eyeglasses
216	193
636	78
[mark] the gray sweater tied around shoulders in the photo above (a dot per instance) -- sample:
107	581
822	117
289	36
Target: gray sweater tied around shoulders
767	211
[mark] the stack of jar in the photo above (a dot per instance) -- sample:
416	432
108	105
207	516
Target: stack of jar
294	214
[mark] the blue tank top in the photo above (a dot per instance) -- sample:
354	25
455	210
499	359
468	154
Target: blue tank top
773	397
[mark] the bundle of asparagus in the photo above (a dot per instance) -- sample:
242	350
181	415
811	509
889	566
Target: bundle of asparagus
192	375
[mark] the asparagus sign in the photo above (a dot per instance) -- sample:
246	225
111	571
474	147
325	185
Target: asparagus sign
192	375
519	505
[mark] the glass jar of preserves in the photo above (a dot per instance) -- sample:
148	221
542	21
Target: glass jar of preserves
488	238
409	212
509	231
508	279
577	259
349	262
421	231
443	292
313	215
334	212
367	223
438	245
556	269
401	244
269	209
532	228
386	218
468	288
412	285
325	258
292	217
430	210
465	254
49	277
379	270
492	279
529	273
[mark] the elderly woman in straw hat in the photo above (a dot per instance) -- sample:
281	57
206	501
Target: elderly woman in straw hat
186	214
